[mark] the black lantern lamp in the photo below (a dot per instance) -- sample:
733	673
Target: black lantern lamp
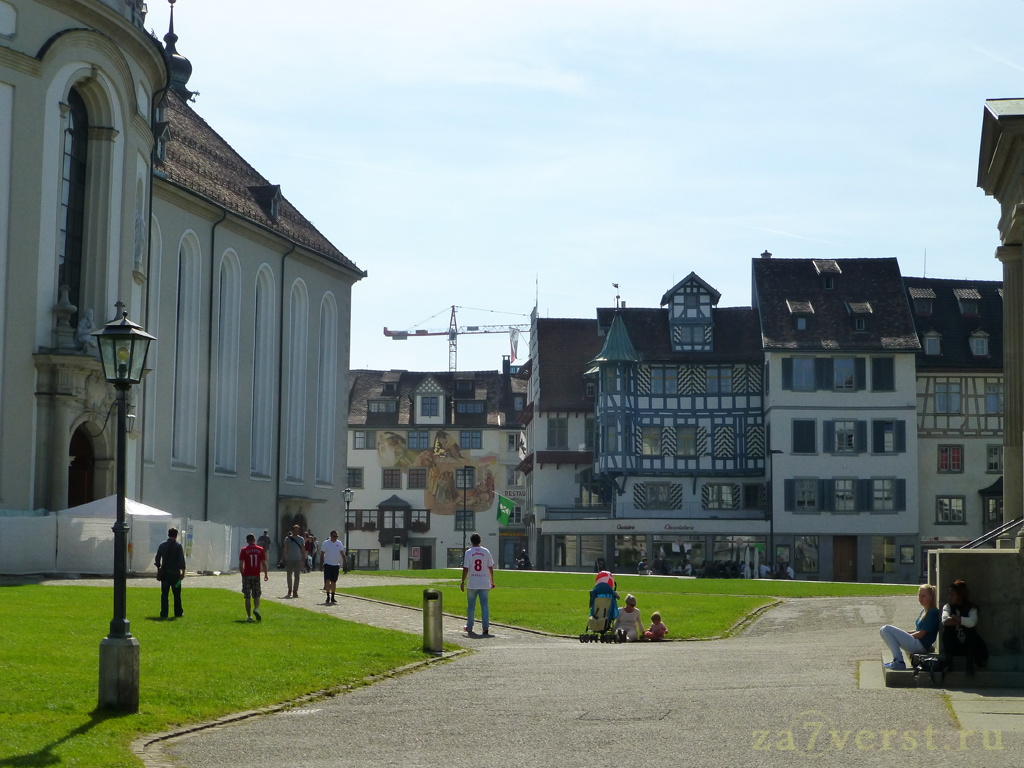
123	347
347	494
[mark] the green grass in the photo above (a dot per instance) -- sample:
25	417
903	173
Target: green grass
564	611
648	584
202	666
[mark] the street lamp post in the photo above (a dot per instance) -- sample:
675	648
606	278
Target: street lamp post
347	494
771	507
123	347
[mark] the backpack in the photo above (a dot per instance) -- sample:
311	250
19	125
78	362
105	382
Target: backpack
931	663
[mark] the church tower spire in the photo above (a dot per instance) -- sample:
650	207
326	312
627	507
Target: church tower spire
180	67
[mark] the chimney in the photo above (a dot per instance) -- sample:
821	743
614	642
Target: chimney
622	304
506	365
766	255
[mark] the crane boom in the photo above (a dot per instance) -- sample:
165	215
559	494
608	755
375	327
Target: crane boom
453	332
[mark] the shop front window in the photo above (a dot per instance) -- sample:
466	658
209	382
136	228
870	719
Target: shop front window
591	550
629	551
565	552
671	554
805	554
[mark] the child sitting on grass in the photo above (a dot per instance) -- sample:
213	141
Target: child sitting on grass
658	630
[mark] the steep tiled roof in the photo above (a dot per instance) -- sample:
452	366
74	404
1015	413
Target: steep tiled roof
565	346
737	334
954	328
489	386
831	327
201	161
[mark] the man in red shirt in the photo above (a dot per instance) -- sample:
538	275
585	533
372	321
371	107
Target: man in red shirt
250	560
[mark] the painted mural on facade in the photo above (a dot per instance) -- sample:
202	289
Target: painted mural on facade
442	460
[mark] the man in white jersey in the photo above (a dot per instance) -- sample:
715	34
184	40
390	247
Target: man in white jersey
332	556
478	565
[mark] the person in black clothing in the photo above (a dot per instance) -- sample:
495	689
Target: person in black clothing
959	629
170	569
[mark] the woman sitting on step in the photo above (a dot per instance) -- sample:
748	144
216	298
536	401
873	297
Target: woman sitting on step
924	634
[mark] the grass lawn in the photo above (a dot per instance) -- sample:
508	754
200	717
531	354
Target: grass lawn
559	602
651	584
564	611
202	666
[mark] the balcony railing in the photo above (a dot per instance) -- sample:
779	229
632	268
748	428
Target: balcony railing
692	510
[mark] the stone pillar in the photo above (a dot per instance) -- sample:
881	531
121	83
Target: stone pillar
60	455
1013	381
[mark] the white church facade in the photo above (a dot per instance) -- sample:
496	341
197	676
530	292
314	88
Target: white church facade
113	189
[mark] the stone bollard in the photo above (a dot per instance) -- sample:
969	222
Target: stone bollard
433	629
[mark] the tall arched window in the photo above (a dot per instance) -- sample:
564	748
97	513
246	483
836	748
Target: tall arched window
72	209
149	425
225	450
262	435
298	326
327	390
186	355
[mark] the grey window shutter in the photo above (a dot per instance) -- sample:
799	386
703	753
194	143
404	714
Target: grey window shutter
877	437
901	496
863	495
860	374
789	488
787	373
824	373
826	493
860	437
901	436
828	437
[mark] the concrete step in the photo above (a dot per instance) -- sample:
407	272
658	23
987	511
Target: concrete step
957	678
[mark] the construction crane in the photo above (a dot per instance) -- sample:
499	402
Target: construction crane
455	330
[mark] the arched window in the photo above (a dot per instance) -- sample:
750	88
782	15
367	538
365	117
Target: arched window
262	435
327	390
186	355
72	209
149	425
225	451
298	326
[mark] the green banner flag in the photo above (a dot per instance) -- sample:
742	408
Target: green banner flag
505	509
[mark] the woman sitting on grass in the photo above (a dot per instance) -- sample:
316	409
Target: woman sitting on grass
628	625
922	638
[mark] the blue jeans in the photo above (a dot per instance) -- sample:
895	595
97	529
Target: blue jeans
485	614
900	640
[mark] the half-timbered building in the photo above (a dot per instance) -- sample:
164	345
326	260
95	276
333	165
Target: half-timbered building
959	407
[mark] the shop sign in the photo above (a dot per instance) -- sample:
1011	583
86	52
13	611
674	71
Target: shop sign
679	528
625	527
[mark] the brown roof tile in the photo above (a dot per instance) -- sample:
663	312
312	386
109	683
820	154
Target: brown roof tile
201	161
855	281
565	346
955	329
737	334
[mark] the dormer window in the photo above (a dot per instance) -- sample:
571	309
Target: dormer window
968	299
979	344
922	306
860	324
463	387
383	406
390	388
268	196
923	298
932	344
800	323
830	283
799	311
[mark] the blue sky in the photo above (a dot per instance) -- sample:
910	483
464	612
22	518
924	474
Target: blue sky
482	153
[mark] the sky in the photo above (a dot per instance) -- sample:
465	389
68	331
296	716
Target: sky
501	155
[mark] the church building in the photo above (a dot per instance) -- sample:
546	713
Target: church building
114	190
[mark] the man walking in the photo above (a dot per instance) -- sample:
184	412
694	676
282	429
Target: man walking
332	556
250	561
170	569
265	542
479	566
294	556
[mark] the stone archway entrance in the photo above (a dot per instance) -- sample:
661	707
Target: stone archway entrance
82	471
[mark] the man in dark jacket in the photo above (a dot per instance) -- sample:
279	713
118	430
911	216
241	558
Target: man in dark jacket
170	569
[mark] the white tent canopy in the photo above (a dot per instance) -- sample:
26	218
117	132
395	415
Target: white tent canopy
108	508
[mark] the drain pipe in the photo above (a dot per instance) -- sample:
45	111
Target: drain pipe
280	397
209	367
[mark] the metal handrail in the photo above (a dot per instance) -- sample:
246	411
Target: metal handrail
993	534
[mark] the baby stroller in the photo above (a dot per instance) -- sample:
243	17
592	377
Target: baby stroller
603	612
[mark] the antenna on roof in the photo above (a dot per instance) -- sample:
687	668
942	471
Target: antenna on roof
616	287
925	273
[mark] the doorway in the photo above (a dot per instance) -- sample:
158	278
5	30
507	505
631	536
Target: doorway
81	472
844	558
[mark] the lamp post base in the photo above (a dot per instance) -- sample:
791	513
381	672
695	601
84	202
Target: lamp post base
119	674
